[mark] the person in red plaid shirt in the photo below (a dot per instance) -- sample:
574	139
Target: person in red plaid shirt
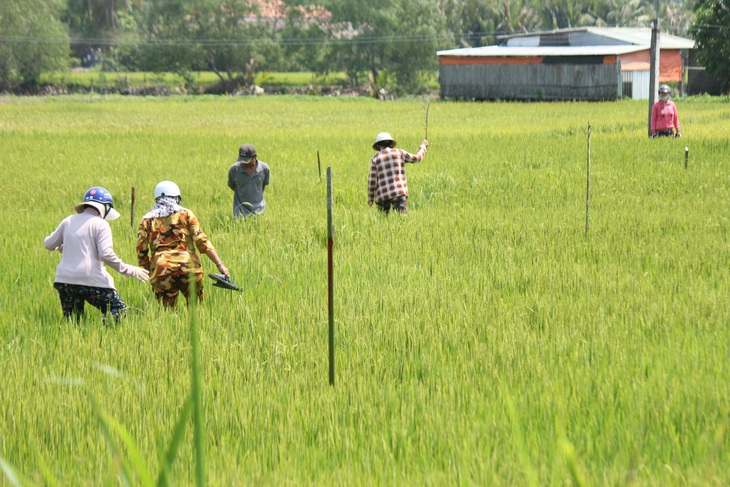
387	185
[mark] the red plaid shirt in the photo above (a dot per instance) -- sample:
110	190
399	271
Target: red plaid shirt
387	178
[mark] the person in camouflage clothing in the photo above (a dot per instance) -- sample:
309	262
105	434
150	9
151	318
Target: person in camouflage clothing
166	242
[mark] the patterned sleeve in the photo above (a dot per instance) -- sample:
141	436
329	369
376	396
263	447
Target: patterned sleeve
408	157
372	180
196	233
143	257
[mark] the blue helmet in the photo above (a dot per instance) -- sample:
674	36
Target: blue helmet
101	199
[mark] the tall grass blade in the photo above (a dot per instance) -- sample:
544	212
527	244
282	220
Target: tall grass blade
13	477
177	436
519	439
576	471
137	465
195	387
48	477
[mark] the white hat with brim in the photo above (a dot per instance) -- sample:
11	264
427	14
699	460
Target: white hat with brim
112	214
383	137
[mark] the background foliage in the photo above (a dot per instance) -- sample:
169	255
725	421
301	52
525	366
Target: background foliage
711	30
386	44
33	40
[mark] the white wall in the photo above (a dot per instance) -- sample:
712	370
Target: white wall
639	84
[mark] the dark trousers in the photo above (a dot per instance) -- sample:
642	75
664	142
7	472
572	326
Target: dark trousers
74	296
399	204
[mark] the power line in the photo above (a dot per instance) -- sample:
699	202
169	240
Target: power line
227	42
234	42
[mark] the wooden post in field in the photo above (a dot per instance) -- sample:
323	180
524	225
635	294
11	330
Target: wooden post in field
588	181
654	53
330	285
132	210
686	157
319	167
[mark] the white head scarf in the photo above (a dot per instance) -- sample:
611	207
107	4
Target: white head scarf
164	206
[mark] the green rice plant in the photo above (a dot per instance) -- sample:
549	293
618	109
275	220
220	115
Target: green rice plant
133	468
611	348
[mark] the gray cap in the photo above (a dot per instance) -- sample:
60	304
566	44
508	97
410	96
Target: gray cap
246	152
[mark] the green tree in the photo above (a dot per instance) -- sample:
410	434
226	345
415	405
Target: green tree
629	13
390	43
562	13
94	18
102	23
516	16
303	37
226	37
677	16
479	22
711	31
472	22
32	40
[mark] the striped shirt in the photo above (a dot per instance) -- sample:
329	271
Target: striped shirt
387	179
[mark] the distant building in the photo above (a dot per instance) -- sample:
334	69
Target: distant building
699	82
586	63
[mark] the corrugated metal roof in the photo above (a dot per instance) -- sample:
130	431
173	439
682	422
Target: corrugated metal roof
505	51
635	35
642	37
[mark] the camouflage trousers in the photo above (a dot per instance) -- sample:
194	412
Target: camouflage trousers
168	283
74	296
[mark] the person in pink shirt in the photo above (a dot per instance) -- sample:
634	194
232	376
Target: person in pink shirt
85	243
387	185
664	119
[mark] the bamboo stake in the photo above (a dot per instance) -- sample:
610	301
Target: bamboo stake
132	210
686	157
588	181
330	284
319	167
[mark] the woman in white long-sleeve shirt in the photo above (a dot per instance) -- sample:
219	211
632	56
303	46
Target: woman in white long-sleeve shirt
85	242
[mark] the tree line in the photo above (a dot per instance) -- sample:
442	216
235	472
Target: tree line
378	43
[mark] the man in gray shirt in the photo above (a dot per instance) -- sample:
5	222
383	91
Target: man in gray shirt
248	178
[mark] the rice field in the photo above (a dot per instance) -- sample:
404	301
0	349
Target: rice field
488	338
98	79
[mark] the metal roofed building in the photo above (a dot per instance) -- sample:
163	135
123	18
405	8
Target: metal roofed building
588	63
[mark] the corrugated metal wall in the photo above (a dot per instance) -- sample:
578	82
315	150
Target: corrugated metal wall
636	84
530	82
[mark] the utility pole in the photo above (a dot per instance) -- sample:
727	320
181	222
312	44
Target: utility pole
653	68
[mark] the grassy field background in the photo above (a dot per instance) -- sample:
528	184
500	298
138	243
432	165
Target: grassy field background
483	340
199	82
97	79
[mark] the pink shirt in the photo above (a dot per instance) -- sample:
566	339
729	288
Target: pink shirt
86	243
387	178
664	116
